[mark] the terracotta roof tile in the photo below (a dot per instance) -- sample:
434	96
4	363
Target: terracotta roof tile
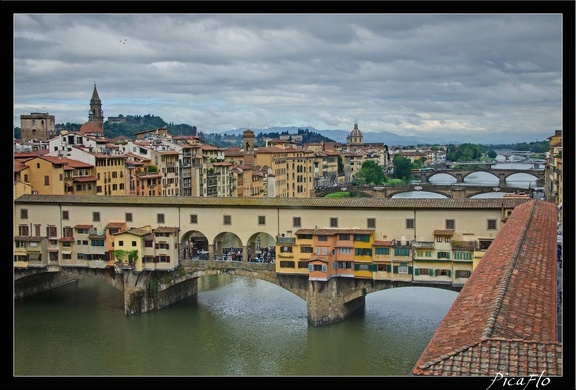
166	229
360	203
504	318
383	243
115	225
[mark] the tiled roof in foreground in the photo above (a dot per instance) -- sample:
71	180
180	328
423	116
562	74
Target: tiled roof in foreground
361	203
504	318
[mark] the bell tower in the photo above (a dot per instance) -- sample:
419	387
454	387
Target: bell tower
96	114
248	146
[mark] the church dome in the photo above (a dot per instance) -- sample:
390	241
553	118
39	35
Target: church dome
356	132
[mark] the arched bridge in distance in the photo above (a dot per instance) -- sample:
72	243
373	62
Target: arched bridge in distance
456	191
501	174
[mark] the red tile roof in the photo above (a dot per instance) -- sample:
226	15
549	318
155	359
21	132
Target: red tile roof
504	318
84	179
92	127
166	229
383	243
115	225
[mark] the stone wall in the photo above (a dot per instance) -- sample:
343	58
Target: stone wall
34	284
333	301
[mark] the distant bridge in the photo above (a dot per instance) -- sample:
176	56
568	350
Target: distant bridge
500	174
508	153
456	191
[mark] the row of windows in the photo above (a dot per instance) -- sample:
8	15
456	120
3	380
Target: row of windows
441	272
296	221
397	269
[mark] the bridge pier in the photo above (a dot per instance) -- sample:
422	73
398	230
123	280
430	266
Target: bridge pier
333	300
146	292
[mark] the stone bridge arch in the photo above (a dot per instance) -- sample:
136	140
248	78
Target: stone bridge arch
430	190
500	174
193	243
295	284
480	170
258	245
372	286
226	245
536	177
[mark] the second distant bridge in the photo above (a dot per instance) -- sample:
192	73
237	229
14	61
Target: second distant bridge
457	191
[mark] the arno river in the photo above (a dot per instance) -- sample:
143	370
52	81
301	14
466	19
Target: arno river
235	326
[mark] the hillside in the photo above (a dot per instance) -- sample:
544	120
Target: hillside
231	138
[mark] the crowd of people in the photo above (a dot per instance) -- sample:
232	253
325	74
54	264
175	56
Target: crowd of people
265	255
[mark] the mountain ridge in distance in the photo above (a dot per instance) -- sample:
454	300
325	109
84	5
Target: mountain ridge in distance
393	139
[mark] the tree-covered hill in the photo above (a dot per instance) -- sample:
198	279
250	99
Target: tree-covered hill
133	124
230	140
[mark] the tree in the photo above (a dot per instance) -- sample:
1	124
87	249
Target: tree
370	173
340	165
491	154
402	168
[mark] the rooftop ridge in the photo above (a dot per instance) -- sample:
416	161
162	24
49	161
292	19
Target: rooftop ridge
506	280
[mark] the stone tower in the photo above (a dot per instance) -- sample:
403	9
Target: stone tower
96	114
38	126
248	146
95	124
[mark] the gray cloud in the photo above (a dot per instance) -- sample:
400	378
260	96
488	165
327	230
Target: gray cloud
403	73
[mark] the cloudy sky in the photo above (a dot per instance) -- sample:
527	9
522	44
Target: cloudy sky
410	74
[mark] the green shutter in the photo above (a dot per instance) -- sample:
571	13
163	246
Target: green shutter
449	272
416	271
410	270
372	267
356	267
388	267
395	269
448	255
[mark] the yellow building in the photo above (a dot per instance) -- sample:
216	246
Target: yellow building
393	260
553	170
21	179
146	249
291	174
47	175
129	247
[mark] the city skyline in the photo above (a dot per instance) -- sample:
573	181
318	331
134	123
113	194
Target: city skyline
409	74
